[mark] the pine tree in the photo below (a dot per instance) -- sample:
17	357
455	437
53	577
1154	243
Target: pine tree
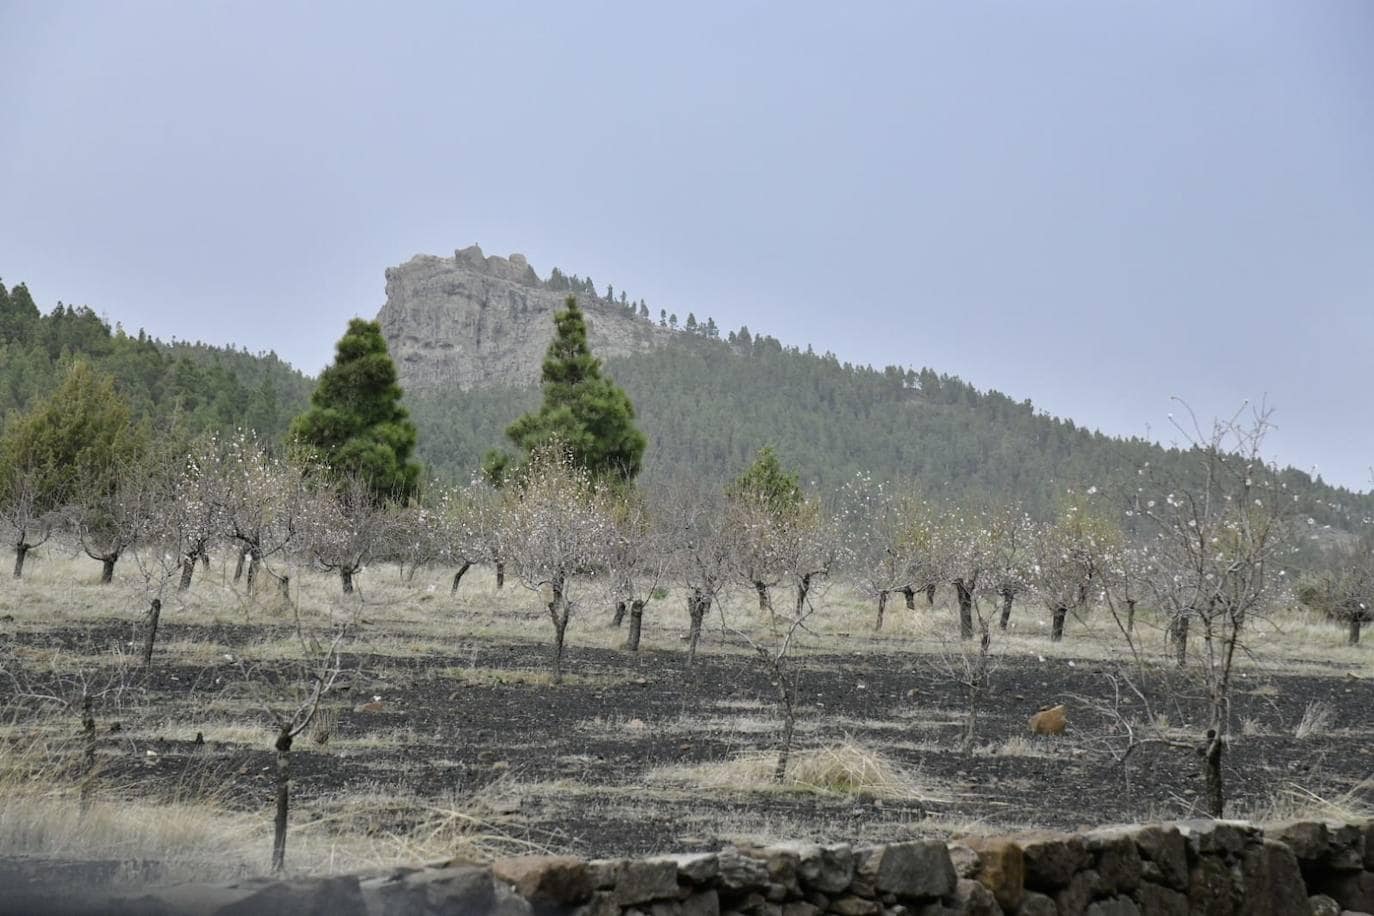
18	314
356	423
767	483
79	439
583	410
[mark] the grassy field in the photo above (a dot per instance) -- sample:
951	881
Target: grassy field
445	735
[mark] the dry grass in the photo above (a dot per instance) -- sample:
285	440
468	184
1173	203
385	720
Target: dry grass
1316	720
1293	802
1023	746
194	836
844	768
400	619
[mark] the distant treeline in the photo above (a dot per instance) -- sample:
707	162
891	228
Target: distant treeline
207	387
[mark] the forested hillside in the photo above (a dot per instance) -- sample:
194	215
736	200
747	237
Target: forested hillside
209	387
706	405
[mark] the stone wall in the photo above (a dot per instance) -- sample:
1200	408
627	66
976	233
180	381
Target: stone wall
1212	867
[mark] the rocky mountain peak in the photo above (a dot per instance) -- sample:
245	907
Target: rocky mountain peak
473	321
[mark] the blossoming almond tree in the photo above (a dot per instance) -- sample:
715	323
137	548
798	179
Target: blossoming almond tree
1218	538
557	530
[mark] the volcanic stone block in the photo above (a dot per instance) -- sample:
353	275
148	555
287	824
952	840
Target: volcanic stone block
646	880
1273	882
1001	868
1156	900
548	879
910	870
1034	904
1116	858
1165	856
1052	859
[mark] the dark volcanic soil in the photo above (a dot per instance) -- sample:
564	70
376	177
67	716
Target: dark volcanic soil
624	715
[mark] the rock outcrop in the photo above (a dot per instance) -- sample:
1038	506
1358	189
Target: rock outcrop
473	321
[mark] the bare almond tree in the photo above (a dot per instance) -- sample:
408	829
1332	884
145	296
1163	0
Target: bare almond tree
557	530
71	686
265	501
963	551
694	530
1342	587
637	560
759	545
1012	534
970	664
468	522
343	526
880	546
111	512
774	647
1218	534
810	542
28	524
308	683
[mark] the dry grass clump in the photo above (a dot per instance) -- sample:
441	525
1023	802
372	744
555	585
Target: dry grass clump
844	768
1021	746
1316	720
194	836
1293	802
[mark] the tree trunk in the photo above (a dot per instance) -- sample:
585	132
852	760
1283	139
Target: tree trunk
500	574
618	618
765	604
1180	635
88	753
1008	596
803	589
930	595
558	612
1355	622
284	584
458	577
965	609
154	615
254	558
909	594
21	551
970	725
882	609
1130	615
205	560
1057	631
238	567
283	746
346	577
188	569
1210	752
636	625
789	726
107	565
697	606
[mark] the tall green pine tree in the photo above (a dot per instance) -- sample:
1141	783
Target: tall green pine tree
356	422
585	411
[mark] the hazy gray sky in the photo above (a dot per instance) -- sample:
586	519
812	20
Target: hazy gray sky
1093	205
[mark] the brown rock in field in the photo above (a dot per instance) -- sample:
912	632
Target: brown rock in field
1049	721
